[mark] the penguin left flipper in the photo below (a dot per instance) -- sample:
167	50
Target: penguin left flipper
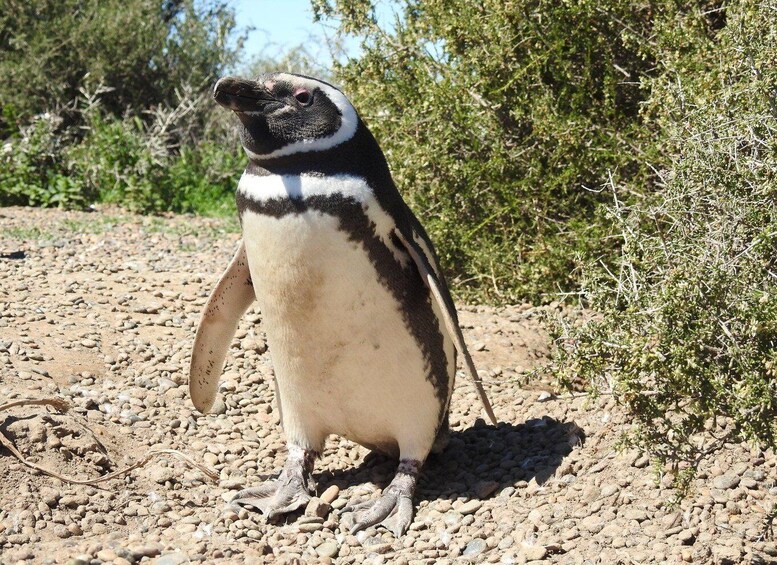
428	269
232	296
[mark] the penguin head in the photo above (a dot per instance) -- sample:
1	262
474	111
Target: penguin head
283	114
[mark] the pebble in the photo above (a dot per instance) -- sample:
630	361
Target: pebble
327	549
219	407
593	523
317	507
330	494
310	527
140	551
175	558
106	555
474	548
725	482
534	552
470	507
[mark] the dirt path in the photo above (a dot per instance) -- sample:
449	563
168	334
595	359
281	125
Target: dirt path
100	309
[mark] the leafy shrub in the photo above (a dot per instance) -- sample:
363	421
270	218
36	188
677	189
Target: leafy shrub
33	168
498	118
687	337
144	50
138	164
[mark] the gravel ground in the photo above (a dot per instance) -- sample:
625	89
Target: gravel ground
101	308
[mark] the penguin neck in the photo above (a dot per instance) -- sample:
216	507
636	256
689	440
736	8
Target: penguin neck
359	156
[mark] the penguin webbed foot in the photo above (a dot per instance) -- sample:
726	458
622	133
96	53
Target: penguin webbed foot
273	498
394	509
289	492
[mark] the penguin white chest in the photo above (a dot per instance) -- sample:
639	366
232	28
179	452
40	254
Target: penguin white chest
345	360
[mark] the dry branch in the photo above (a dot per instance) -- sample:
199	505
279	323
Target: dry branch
63	407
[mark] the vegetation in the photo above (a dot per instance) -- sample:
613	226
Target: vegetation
687	337
501	120
621	154
93	113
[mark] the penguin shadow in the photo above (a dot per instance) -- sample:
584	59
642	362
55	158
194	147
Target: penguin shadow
478	462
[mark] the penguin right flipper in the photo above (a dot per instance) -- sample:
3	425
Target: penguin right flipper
232	296
429	270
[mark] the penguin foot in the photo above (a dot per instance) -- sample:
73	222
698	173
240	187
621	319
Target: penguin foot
290	491
394	509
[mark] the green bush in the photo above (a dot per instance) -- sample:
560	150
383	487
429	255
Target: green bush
145	51
687	336
110	101
138	165
501	120
33	170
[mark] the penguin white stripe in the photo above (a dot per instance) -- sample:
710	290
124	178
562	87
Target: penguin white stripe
263	189
349	121
271	187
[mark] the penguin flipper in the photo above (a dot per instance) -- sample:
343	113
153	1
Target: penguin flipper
428	269
232	296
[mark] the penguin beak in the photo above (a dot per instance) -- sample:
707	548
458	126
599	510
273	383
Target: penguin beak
243	95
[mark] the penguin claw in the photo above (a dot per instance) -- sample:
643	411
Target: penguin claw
272	498
393	511
289	492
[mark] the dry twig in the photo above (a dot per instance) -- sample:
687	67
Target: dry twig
63	407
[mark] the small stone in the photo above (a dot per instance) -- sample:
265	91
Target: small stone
474	548
725	482
484	489
146	550
770	549
534	552
470	507
317	507
49	496
642	462
380	548
330	494
176	558
327	549
726	555
593	524
106	554
186	528
232	483
219	407
161	474
88	343
686	537
82	559
310	527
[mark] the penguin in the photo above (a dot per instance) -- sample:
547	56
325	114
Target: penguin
360	324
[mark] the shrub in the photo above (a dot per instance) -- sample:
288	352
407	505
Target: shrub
498	118
33	168
138	164
687	337
144	50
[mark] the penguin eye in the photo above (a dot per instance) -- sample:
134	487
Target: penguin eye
304	97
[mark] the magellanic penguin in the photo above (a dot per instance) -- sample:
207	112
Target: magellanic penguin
360	324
